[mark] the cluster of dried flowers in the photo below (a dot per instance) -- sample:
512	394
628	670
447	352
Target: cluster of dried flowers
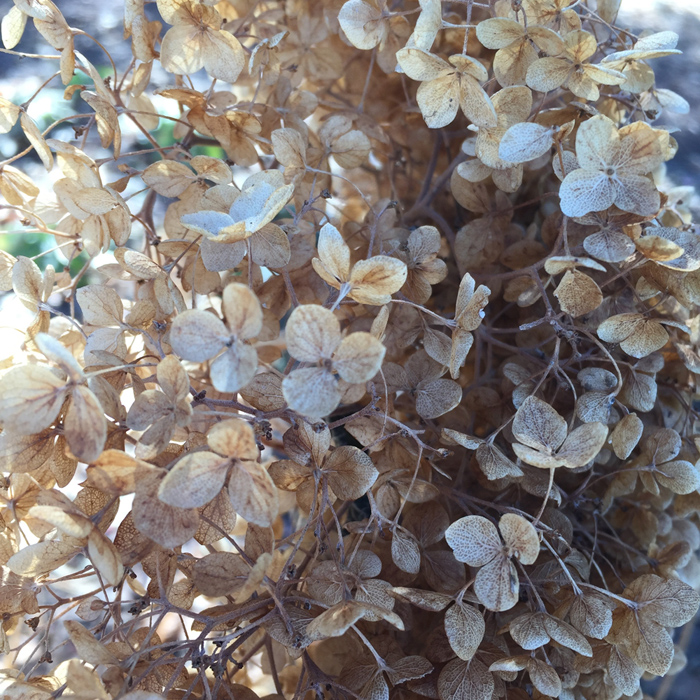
395	398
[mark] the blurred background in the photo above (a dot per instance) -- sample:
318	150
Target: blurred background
21	77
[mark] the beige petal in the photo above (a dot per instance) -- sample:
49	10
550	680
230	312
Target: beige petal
405	551
105	558
422	65
525	141
528	631
312	391
597	140
101	306
13	24
222	55
465	628
535	458
220	573
511	64
583	444
233	438
9	112
87	646
269	247
351	472
375	280
547	74
476	104
233	369
497	585
520	537
474	540
35	138
466	679
363	24
434	399
497	33
351	149
649	337
242	311
578	294
358	357
167	525
43	557
679	476
312	333
334	255
85	425
637	194
619	327
197	335
168	177
584	191
438	101
194	481
626	435
538	425
253	494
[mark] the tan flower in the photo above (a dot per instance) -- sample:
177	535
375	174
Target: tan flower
198	336
517	47
346	472
159	413
612	168
631	62
572	69
637	335
476	542
555	14
544	440
445	87
197	41
370	281
242	215
424	267
313	336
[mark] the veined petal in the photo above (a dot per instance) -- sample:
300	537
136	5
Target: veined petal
497	584
603	75
222	55
580	45
207	222
637	194
469	66
582	86
233	369
640	149
476	104
439	100
312	391
498	32
535	458
597	143
511	64
363	24
584	191
179	53
547	74
421	65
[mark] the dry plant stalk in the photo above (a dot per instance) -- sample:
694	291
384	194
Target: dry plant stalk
389	388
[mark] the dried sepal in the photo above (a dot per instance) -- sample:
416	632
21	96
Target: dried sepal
544	440
476	542
370	281
389	365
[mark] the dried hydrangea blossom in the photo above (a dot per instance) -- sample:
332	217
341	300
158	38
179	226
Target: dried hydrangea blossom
360	361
